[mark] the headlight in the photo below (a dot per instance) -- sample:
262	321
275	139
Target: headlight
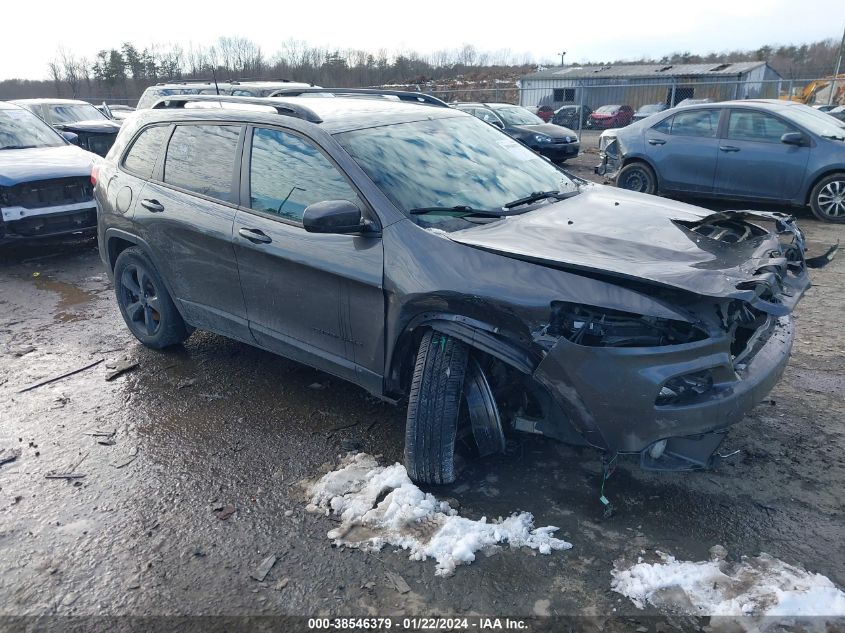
542	138
602	327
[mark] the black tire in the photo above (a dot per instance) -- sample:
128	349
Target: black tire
827	200
637	177
144	302
433	408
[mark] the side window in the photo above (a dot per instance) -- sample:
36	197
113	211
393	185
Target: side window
287	173
142	155
665	125
696	123
201	158
745	125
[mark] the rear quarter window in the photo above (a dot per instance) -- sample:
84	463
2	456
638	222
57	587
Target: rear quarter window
141	157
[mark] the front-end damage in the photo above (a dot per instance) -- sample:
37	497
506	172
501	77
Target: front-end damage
669	388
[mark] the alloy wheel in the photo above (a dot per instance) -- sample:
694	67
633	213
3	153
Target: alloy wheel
140	299
831	199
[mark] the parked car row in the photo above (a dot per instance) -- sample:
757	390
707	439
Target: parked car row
606	116
757	150
551	140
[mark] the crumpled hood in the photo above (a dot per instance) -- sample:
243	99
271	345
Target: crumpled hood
633	236
91	127
41	163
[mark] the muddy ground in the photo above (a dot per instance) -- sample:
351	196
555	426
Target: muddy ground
218	423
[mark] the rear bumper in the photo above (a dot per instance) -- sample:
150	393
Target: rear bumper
29	224
609	394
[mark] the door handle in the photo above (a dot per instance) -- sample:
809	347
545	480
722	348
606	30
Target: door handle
656	141
153	206
255	236
728	148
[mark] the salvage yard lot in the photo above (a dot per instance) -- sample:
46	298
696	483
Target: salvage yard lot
193	477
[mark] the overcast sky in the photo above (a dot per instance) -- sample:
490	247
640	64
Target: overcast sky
586	29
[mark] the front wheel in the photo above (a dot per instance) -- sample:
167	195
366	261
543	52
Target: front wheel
637	177
434	405
827	200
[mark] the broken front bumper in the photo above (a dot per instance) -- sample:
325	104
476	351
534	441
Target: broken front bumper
19	223
610	395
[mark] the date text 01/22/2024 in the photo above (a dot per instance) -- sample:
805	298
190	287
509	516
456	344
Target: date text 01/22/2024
418	624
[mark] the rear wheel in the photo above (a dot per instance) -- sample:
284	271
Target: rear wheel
144	303
637	177
434	406
827	200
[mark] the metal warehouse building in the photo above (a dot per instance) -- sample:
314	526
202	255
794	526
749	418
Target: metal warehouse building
639	84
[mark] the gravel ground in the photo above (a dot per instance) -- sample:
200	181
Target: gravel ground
217	423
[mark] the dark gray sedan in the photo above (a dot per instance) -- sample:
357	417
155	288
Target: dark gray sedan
755	150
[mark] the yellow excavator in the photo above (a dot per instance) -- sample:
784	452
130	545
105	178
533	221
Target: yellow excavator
818	91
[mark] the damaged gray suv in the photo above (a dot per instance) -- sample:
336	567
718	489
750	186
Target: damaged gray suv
424	255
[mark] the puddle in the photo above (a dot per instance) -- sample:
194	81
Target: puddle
69	297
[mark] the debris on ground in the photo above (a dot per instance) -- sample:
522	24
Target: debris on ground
122	367
281	584
101	432
755	586
9	454
55	475
398	582
380	506
120	462
317	386
224	512
263	568
188	382
61	377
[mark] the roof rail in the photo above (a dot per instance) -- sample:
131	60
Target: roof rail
241	80
402	95
188	81
279	107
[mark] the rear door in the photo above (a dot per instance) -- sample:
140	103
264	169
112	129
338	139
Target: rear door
316	298
683	148
187	212
753	162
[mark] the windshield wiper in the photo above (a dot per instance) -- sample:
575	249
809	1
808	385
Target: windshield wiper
539	195
458	209
17	147
835	137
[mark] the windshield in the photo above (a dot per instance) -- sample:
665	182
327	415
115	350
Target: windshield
21	129
814	121
514	115
450	162
73	112
651	108
609	109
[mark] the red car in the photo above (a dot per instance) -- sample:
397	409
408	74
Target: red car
545	112
609	116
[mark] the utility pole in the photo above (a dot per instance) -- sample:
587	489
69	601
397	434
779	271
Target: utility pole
833	83
563	54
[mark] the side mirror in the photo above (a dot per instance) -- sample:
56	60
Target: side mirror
792	138
71	137
333	216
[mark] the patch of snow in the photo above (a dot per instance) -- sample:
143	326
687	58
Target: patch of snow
380	506
439	232
755	586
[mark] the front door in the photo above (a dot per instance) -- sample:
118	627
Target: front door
754	163
316	298
683	149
